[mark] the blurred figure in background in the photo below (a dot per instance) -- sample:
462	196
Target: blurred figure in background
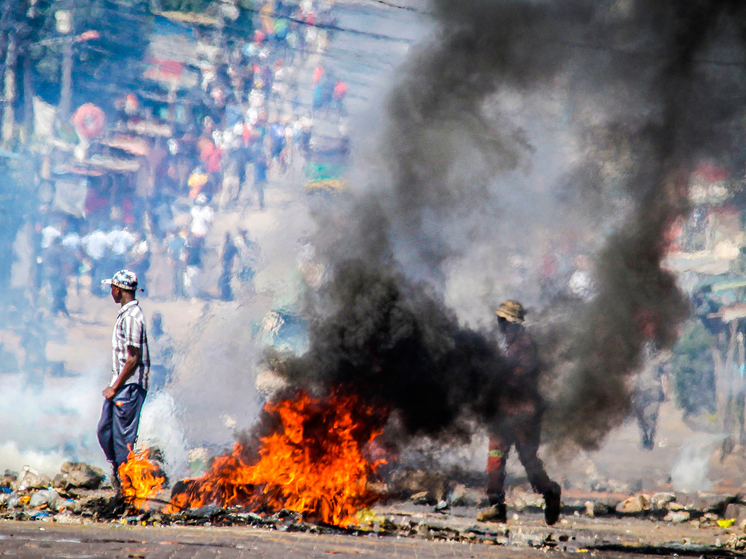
648	394
161	347
226	260
55	276
175	243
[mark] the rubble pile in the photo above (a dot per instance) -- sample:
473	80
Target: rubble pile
673	507
75	493
416	504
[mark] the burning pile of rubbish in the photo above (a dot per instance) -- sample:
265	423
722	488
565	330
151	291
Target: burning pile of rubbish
410	503
317	467
313	463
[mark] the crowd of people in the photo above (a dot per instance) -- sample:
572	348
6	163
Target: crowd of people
259	101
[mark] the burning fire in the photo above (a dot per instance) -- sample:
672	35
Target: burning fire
141	479
312	463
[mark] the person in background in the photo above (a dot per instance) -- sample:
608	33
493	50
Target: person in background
202	217
648	394
338	96
138	257
276	140
175	249
193	265
248	259
72	246
260	175
161	354
97	246
226	259
121	241
55	276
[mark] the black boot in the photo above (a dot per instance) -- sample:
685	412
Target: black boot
114	479
552	504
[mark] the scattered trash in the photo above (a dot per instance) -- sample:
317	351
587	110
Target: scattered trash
442	506
28	478
45	497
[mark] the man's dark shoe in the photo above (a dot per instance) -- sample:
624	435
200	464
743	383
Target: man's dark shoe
552	504
496	513
114	479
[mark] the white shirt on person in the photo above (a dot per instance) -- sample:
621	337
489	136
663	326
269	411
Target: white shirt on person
49	234
202	218
121	241
96	244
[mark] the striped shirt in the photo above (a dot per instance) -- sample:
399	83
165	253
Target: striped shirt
130	331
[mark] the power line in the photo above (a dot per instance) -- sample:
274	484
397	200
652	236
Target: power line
397	6
337	28
325	26
274	15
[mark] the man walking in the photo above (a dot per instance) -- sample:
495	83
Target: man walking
120	417
520	423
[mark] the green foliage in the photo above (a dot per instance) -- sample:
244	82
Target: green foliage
693	370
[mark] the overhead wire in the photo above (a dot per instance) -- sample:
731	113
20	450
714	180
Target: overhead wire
332	27
380	36
126	14
407	8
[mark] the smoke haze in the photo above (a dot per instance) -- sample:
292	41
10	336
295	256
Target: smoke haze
518	129
520	123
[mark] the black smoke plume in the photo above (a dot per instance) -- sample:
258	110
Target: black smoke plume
660	80
394	343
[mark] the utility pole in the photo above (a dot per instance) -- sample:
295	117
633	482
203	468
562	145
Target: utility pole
28	96
9	88
64	26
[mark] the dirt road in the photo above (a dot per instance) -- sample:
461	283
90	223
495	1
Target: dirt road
54	541
525	538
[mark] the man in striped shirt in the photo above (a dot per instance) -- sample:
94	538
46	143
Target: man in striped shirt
124	397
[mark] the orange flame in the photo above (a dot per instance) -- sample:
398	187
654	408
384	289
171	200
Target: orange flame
313	463
140	479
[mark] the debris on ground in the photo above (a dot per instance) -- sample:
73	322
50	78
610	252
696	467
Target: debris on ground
78	475
78	495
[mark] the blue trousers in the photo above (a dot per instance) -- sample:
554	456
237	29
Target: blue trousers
120	417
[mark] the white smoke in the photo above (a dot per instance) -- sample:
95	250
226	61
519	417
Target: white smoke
42	426
690	472
160	427
13	458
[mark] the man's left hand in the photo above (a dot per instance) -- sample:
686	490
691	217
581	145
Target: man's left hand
109	393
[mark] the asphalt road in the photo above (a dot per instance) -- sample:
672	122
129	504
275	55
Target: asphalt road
48	541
